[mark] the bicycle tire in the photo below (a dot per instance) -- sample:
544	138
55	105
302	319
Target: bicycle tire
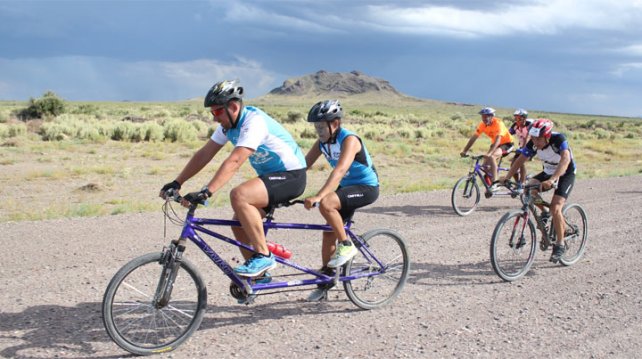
576	233
512	256
132	321
458	197
380	289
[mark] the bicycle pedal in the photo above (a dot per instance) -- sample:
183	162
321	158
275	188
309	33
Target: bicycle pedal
248	300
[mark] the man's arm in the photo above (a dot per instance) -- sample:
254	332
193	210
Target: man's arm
201	158
470	143
494	145
565	159
229	167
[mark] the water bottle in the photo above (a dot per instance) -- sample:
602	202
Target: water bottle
279	250
488	180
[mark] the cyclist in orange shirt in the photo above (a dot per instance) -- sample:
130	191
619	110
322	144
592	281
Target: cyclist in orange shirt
501	140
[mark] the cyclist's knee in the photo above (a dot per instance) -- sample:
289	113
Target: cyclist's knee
328	204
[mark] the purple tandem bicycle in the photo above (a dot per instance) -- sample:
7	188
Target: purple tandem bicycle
156	301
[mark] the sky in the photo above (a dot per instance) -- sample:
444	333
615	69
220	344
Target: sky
572	56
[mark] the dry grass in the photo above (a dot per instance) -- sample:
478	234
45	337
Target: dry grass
415	146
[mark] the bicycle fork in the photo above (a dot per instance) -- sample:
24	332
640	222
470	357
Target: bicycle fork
171	261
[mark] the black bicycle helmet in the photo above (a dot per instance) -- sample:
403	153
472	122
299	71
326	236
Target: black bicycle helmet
327	110
223	92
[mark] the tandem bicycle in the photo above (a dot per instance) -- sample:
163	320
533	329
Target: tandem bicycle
466	194
156	301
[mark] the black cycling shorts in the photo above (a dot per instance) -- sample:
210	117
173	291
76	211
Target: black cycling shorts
506	148
283	186
564	184
353	197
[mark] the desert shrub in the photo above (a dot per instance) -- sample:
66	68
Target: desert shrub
184	111
588	124
106	128
179	131
602	134
201	127
293	117
4	116
125	131
48	105
308	133
86	109
17	129
457	116
163	113
152	132
4	130
51	131
88	131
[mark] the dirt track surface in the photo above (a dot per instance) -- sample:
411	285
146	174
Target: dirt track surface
54	273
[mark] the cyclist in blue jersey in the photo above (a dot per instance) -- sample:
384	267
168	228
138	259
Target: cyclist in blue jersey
353	183
272	152
559	168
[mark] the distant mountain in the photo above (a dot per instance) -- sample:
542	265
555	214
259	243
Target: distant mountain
339	84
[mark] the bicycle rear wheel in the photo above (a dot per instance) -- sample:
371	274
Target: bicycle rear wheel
465	195
575	233
140	326
512	247
384	282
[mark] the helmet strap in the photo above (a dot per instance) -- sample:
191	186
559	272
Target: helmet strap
234	122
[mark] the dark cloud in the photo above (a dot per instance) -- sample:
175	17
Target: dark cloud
558	54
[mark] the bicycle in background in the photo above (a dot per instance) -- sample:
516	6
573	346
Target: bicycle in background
466	194
156	301
513	244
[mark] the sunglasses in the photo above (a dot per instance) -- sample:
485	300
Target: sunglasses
217	112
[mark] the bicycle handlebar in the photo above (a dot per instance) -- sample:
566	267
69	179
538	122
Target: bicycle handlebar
173	195
473	157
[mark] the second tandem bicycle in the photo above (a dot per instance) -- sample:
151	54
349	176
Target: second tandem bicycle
466	192
156	301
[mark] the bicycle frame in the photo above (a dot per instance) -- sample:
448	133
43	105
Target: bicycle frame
193	225
478	169
528	207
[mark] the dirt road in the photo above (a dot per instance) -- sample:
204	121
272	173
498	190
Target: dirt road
53	275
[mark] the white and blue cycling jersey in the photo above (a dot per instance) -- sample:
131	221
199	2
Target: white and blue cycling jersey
361	171
551	154
274	148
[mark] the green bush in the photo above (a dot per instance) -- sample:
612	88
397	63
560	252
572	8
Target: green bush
457	116
153	132
48	105
602	134
308	133
179	131
86	109
125	131
4	116
4	130
293	117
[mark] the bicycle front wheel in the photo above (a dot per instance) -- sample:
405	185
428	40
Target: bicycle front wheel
465	195
512	247
140	326
383	280
575	233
